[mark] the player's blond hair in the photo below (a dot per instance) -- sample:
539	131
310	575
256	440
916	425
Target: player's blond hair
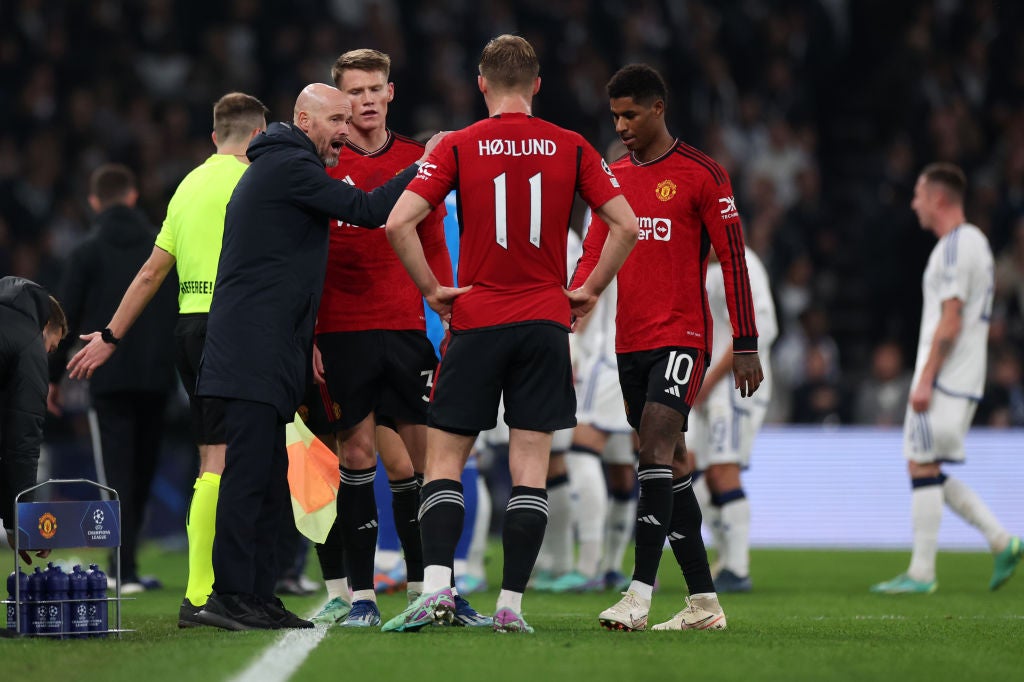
509	62
363	59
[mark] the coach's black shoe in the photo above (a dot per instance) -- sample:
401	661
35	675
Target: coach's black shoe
236	612
188	614
283	617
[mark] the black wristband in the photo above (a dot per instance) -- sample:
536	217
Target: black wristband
108	336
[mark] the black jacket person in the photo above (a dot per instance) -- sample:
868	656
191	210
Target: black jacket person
272	263
129	394
31	323
259	340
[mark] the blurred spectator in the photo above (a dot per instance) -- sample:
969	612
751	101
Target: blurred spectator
1003	403
818	398
882	396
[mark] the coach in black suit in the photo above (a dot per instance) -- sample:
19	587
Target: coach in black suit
258	351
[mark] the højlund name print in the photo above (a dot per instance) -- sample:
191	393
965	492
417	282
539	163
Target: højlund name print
531	147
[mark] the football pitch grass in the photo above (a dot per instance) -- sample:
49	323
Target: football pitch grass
810	617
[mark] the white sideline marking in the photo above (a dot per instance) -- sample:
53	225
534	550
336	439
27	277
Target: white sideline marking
282	658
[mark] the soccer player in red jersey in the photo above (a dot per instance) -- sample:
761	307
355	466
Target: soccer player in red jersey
377	363
685	206
516	177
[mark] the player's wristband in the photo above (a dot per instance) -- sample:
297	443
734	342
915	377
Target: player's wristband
108	337
744	344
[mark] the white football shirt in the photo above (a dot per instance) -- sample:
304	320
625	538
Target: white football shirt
960	266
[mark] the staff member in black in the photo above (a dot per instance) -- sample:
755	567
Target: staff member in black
258	352
25	311
129	394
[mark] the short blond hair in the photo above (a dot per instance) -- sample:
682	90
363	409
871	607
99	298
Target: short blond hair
509	62
363	59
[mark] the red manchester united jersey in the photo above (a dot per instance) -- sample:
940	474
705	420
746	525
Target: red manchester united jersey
366	286
684	204
516	178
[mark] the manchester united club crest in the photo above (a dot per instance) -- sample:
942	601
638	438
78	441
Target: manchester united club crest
47	525
665	190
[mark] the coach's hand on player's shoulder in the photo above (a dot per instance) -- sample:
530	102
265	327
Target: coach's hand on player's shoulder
746	367
440	301
581	301
94	354
431	143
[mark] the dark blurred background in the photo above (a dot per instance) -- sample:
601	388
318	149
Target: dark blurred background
823	111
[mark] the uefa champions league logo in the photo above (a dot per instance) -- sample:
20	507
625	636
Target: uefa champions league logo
97	517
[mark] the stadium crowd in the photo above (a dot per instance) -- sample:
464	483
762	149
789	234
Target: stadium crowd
822	111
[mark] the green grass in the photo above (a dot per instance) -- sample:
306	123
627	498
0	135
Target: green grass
809	618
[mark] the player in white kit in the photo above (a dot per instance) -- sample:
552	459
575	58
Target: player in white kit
723	427
949	378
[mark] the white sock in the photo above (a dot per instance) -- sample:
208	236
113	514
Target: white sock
713	520
510	600
618	532
364	595
586	480
703	494
926	514
968	506
481	527
557	545
338	587
642	590
735	529
436	578
386	559
415	587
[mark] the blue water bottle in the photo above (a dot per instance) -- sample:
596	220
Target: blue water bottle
17	581
36	593
98	606
57	593
78	592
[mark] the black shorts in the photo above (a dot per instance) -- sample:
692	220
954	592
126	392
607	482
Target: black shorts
206	415
527	363
386	372
670	376
318	412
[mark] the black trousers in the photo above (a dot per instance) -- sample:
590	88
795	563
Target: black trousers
253	500
131	426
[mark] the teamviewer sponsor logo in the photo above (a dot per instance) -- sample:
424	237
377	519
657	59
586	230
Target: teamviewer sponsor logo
426	170
658	229
728	209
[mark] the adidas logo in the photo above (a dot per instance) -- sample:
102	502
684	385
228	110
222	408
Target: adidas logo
673	390
368	526
676	536
648	519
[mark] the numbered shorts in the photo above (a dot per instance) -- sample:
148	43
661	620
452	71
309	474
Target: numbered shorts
599	396
527	365
723	432
206	415
670	376
938	434
387	372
